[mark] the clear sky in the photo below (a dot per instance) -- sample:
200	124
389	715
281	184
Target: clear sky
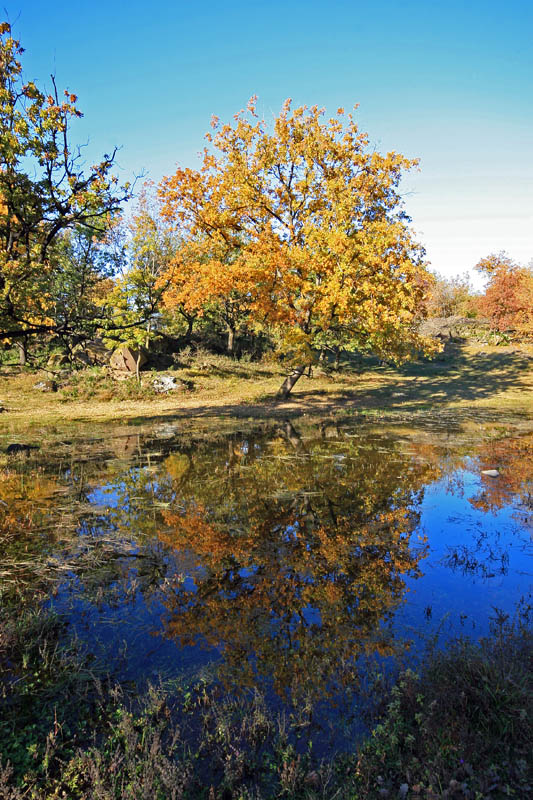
450	82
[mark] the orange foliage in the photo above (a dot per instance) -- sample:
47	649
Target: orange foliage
508	299
297	562
303	226
23	501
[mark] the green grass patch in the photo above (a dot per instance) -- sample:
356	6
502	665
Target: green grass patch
460	728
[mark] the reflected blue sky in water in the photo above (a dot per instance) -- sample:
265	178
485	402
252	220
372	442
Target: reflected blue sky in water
477	562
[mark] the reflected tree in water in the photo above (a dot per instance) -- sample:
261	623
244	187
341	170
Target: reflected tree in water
300	553
513	458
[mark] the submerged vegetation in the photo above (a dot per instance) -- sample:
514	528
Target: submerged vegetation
460	728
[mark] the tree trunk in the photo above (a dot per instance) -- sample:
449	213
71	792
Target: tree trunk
23	352
190	319
231	340
138	367
289	382
337	357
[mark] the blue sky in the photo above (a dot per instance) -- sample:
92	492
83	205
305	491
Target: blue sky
448	82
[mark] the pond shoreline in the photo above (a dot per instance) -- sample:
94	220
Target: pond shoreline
456	729
490	382
326	497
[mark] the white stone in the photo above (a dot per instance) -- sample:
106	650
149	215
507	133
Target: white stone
165	383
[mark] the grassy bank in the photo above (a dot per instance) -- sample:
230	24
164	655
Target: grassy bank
469	377
460	728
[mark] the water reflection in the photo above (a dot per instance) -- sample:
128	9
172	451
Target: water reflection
513	459
298	549
283	553
28	512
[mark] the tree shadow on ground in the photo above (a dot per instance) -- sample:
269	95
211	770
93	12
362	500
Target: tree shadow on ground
459	378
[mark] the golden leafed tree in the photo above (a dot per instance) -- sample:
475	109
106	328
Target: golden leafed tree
303	222
508	298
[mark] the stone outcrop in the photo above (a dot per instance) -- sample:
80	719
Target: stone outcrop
92	353
125	359
446	328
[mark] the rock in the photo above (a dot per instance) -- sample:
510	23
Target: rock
446	328
125	359
46	386
492	473
92	353
165	383
82	356
58	360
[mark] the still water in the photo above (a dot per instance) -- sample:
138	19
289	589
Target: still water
279	556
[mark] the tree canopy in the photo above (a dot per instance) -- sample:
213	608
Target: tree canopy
48	200
291	236
303	223
508	298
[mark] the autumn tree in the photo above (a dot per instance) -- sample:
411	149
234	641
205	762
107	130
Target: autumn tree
148	249
448	297
314	217
508	298
495	262
204	280
79	283
46	195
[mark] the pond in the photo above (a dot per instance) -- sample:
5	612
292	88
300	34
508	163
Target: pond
282	556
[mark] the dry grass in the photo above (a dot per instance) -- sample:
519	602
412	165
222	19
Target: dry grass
471	377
